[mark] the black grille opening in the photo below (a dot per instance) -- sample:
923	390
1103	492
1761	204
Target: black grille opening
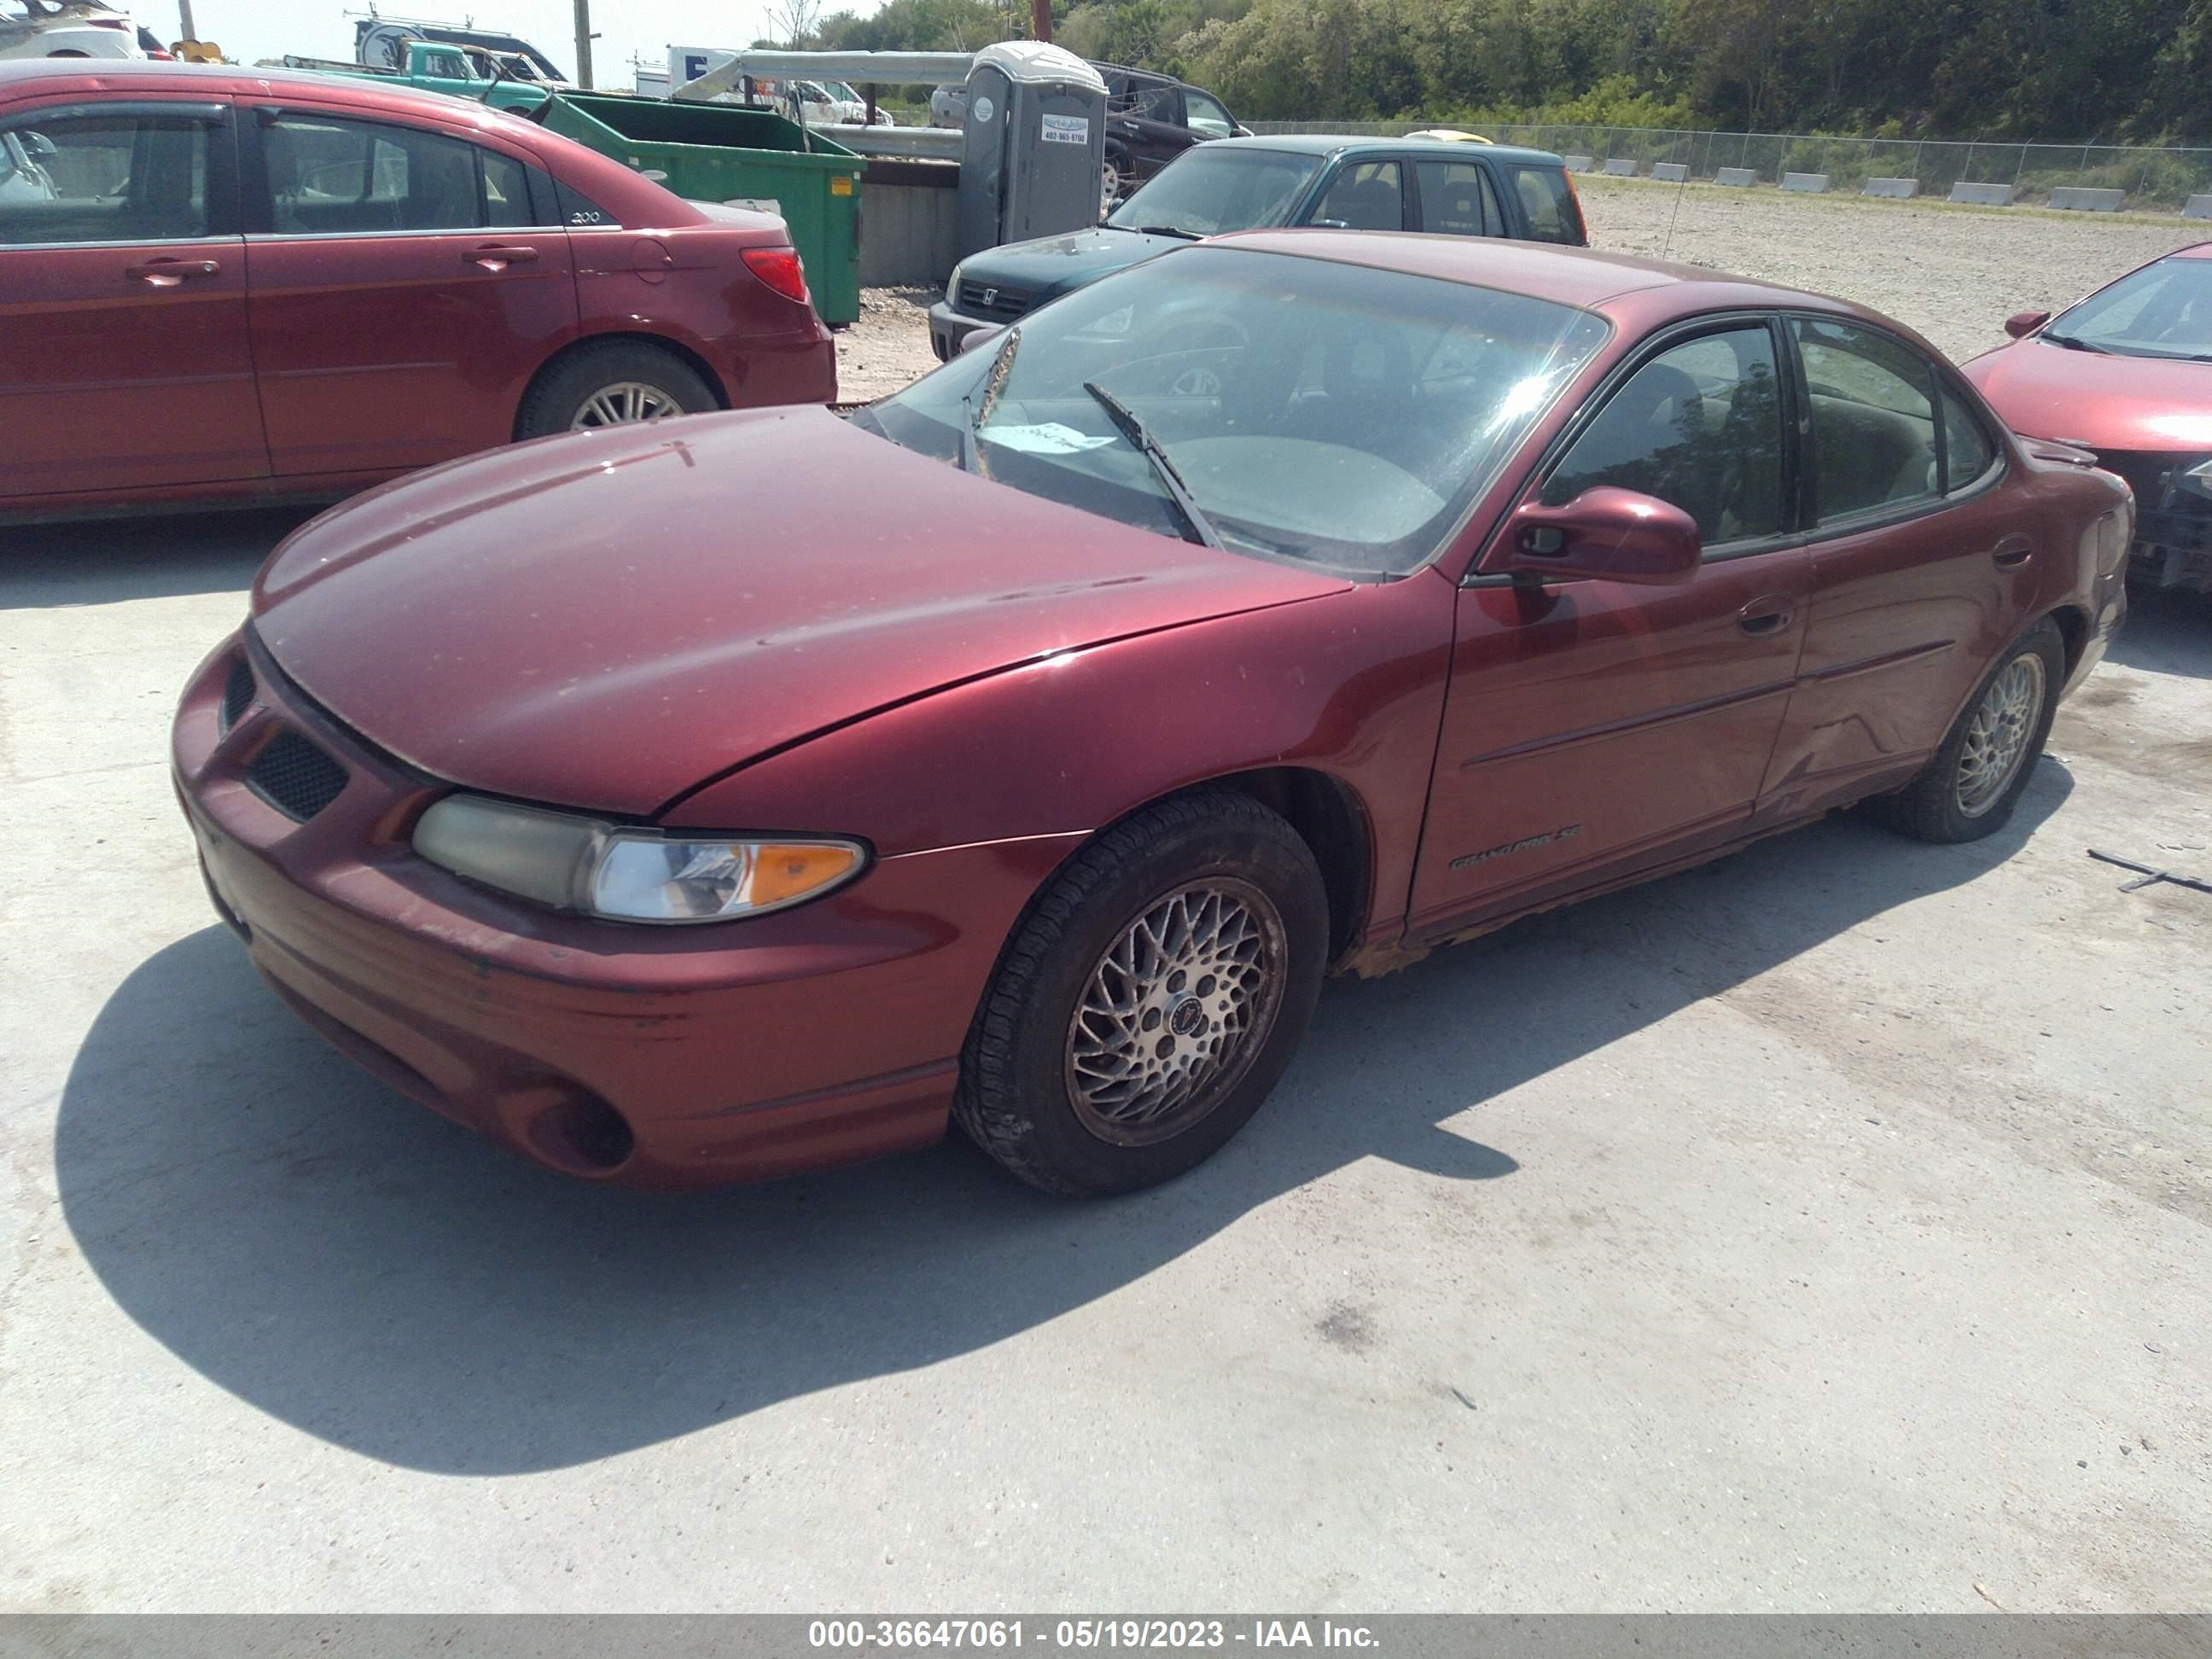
293	776
237	693
988	299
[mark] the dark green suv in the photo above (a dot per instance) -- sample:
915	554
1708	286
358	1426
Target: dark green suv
1449	186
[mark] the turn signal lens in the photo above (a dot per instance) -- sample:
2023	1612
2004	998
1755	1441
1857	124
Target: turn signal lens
781	874
779	267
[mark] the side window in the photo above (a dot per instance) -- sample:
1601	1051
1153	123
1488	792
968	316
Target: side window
1456	199
1548	202
1366	196
445	66
1153	103
1699	426
1202	113
1967	451
1873	420
330	176
105	178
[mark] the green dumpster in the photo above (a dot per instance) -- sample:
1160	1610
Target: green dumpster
723	153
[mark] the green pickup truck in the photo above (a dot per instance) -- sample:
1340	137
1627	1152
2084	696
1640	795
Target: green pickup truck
464	71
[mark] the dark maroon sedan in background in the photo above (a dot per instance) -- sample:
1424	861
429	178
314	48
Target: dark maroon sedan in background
2127	374
221	286
1296	601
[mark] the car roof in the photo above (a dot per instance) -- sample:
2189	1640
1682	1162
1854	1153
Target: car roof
1352	143
1582	277
27	76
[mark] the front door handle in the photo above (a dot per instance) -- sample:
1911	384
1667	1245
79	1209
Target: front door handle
1768	613
168	273
2012	553
498	257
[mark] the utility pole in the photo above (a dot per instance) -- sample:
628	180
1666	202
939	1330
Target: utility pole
1041	19
584	43
185	11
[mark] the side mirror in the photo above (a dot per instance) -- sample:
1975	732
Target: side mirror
980	338
1614	535
2021	323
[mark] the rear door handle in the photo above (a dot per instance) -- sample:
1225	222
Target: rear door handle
168	273
2012	552
1765	615
499	256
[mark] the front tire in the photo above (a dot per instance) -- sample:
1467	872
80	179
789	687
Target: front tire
619	383
1150	999
1969	789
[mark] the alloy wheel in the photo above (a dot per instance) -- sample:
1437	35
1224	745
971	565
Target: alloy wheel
625	404
1998	734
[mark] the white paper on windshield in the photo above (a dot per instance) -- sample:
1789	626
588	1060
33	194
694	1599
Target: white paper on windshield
1066	130
1050	438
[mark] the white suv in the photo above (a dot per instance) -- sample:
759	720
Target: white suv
66	28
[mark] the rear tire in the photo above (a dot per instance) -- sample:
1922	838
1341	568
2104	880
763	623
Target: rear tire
1969	789
594	386
1150	999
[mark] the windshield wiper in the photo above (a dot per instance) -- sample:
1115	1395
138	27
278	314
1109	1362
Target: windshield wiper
1126	424
2075	343
973	414
1165	230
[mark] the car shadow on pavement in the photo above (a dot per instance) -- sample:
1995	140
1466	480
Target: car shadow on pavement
2167	631
102	561
364	1271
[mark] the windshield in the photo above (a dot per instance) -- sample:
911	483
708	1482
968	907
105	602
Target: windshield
1333	414
2164	310
1209	190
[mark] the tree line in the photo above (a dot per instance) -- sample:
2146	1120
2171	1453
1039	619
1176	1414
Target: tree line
2056	71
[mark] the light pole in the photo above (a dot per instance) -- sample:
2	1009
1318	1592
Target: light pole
584	43
185	16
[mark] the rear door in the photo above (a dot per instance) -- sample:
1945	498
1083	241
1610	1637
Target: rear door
124	362
1921	565
407	282
1458	198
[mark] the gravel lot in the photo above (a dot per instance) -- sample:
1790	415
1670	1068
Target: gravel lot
1824	1230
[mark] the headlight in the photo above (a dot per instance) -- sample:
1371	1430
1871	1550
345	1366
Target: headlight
574	863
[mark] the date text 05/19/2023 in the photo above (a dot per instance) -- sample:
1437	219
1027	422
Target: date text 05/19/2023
1075	1634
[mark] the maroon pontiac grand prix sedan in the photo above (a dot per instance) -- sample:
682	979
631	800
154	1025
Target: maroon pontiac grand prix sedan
2127	374
221	286
1292	602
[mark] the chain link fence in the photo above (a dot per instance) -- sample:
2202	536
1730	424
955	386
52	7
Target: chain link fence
2150	180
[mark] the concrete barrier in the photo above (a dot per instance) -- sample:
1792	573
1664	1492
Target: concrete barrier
2079	198
1578	163
2197	207
1984	195
1738	176
1673	172
1812	183
1903	190
1620	167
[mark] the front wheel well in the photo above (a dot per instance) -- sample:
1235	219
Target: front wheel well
676	349
1332	822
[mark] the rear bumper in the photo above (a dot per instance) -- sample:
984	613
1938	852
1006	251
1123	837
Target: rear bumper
644	1057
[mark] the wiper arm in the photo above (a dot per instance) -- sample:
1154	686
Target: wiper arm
2074	342
974	414
1166	230
1126	424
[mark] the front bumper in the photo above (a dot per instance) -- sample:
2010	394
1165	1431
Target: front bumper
948	328
639	1057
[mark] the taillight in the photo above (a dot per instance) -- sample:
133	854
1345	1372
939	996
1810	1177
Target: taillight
779	267
1574	196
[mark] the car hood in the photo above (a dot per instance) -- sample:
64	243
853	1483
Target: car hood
604	620
2098	401
1052	264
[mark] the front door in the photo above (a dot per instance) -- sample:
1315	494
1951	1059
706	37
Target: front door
1594	728
406	284
124	355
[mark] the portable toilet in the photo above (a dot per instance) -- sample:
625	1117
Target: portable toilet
1034	158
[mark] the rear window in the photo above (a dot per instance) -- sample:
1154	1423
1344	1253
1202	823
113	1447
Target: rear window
1548	202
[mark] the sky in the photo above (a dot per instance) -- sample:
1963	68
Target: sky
251	29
